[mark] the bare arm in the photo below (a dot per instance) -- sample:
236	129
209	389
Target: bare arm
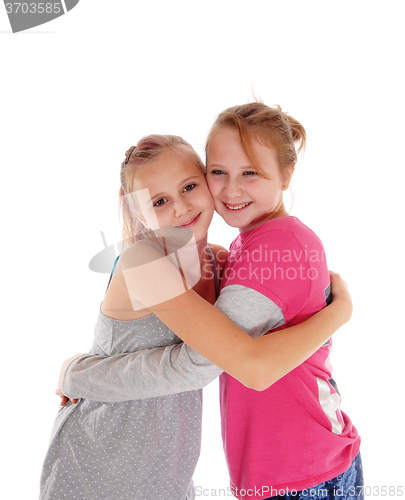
161	371
178	368
256	363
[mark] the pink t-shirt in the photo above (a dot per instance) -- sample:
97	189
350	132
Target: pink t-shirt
293	435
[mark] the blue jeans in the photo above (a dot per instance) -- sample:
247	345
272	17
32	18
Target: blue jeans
345	486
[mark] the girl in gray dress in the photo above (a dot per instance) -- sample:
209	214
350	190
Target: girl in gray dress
117	448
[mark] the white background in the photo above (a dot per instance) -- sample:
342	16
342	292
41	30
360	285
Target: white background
78	91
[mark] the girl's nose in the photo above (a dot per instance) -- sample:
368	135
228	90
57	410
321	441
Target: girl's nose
181	207
232	188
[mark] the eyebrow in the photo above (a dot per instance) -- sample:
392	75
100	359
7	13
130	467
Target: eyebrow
210	165
179	184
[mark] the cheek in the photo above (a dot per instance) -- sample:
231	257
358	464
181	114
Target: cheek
269	191
208	201
213	188
156	221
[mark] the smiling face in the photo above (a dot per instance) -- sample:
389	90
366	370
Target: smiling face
242	197
179	194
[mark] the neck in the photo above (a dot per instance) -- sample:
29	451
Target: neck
279	212
206	285
201	246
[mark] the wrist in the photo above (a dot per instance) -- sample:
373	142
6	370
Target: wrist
344	307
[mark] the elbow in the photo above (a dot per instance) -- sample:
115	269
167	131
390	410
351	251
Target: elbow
261	370
259	382
260	385
257	372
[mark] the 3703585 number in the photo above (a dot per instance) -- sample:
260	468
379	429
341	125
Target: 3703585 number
376	491
34	8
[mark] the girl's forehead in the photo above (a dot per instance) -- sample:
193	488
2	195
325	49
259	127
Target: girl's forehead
226	146
170	160
224	143
225	134
168	168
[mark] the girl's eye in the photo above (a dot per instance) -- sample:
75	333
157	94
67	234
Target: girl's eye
249	173
159	203
217	172
189	187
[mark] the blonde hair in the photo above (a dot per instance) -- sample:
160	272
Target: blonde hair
147	149
269	126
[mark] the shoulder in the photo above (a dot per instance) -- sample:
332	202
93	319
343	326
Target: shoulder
139	253
220	254
218	250
132	258
282	225
305	235
284	231
144	263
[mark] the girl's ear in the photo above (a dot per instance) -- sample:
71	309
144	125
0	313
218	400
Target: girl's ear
288	173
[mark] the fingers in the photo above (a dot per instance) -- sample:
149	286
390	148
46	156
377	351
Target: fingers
332	273
64	399
336	279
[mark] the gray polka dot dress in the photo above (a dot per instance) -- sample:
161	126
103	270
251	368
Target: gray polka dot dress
144	449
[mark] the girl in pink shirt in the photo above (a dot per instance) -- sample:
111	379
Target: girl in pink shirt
291	440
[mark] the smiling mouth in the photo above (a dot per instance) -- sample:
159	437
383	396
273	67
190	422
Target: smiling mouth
237	207
189	223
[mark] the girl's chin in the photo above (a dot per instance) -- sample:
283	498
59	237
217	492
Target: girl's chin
229	218
231	224
201	231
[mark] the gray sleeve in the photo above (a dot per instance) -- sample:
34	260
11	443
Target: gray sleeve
138	375
166	370
250	310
